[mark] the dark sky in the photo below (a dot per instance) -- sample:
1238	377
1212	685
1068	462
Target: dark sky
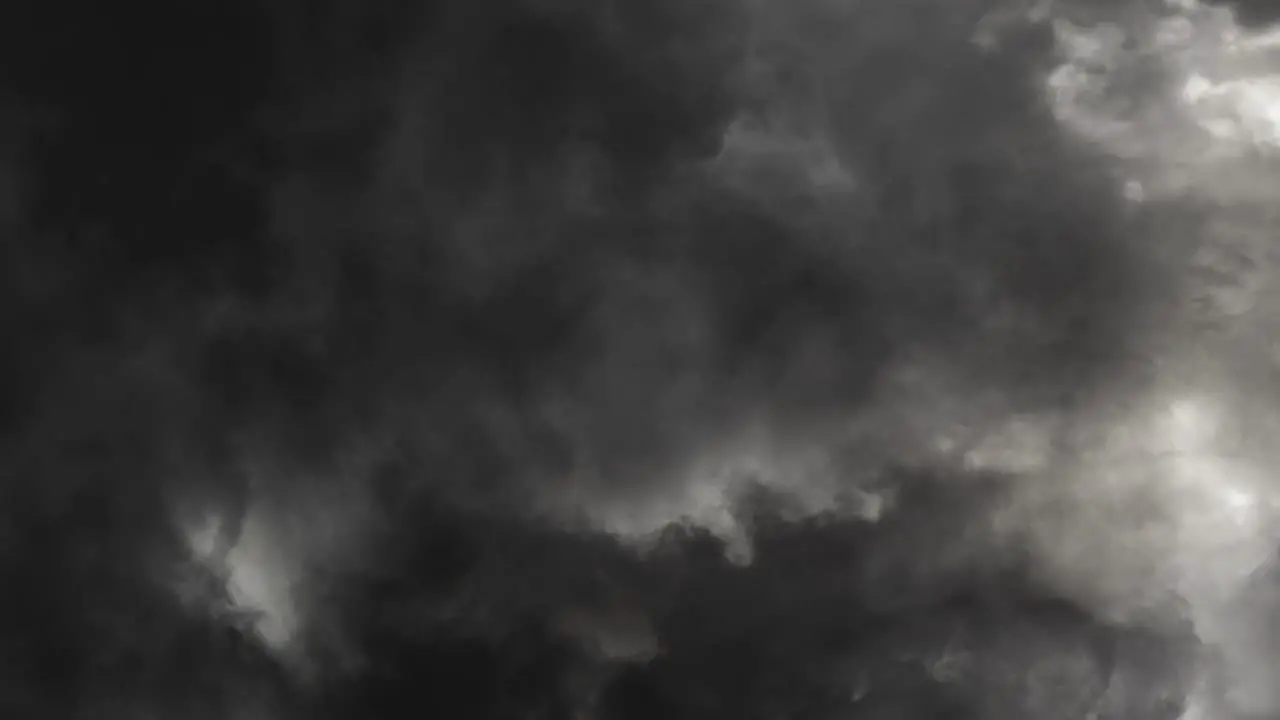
511	332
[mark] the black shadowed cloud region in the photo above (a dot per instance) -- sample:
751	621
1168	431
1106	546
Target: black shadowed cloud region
620	361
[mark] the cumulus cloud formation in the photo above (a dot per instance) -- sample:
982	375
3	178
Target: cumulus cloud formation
629	360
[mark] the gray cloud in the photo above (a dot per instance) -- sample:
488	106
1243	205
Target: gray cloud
616	360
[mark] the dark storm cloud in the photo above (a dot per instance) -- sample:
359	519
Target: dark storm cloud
1251	13
528	621
535	260
551	259
581	347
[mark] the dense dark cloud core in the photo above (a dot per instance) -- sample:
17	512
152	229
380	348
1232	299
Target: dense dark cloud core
539	359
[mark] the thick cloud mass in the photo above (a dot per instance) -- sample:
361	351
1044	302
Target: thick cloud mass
633	360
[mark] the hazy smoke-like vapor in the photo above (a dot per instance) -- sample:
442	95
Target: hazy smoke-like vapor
713	358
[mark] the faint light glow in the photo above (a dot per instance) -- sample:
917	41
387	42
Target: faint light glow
1220	527
708	494
201	535
1197	88
1158	515
1216	494
1134	192
1241	110
1239	501
1216	488
1021	445
1190	424
255	576
261	580
1210	98
1195	709
752	145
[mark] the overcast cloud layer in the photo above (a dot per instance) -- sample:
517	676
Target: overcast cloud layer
804	359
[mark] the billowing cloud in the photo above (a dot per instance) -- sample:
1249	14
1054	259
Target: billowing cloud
547	358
